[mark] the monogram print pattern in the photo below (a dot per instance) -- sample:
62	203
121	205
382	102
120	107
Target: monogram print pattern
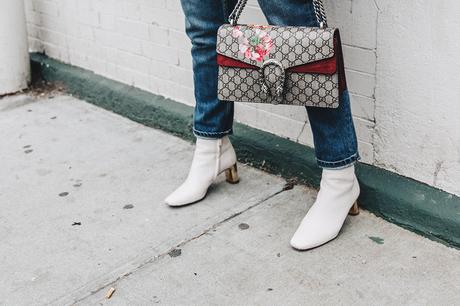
289	46
292	46
244	85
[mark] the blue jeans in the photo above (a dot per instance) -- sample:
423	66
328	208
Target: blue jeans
333	130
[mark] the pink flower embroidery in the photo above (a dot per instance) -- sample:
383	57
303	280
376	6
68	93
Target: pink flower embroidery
255	47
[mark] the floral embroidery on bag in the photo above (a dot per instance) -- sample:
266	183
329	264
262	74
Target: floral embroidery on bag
255	47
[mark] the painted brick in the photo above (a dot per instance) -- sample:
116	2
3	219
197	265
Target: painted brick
182	76
168	88
52	37
160	70
106	38
33	31
159	35
81	46
46	7
34	17
359	59
366	151
185	59
134	62
28	6
36	44
132	28
356	19
253	15
107	21
364	129
83	4
179	40
153	4
363	107
108	7
361	83
129	44
169	19
148	14
364	25
183	93
53	50
160	53
84	31
97	64
153	85
52	24
130	10
173	5
88	17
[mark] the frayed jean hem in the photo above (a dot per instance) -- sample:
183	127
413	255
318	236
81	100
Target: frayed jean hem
212	135
340	164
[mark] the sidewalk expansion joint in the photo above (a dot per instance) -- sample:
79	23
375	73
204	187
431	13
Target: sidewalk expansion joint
156	258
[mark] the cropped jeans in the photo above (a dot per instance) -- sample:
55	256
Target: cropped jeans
333	131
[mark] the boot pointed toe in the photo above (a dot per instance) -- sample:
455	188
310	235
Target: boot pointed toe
173	200
185	195
304	242
297	244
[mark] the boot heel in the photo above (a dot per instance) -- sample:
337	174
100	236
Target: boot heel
354	210
231	174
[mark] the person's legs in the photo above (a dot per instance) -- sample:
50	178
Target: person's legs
333	130
212	118
335	145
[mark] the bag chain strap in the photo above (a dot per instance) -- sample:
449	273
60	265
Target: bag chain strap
320	12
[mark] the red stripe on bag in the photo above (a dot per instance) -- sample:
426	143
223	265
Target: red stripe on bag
226	61
325	66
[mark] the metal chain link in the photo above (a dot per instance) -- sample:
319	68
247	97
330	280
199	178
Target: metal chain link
320	12
236	13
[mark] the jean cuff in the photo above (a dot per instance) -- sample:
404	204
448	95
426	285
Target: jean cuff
340	164
213	135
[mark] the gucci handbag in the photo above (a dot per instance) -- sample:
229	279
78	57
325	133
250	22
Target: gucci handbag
280	64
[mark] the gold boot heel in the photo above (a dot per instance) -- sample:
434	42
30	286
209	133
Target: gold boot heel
354	210
231	174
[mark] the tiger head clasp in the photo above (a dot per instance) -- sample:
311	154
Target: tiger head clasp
273	76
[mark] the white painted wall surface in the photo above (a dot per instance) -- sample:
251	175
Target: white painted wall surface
400	57
14	55
417	113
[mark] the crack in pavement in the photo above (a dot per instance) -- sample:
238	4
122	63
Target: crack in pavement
107	280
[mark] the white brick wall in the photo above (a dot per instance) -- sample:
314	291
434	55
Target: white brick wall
142	43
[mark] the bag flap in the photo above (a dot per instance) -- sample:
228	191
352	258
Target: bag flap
291	46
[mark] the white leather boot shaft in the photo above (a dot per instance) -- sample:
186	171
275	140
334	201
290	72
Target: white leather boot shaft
211	157
339	190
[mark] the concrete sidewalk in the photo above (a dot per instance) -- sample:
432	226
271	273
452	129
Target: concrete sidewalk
81	193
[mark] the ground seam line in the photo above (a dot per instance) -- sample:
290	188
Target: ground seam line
180	244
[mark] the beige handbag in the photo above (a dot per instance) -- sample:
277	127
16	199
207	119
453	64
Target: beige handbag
280	64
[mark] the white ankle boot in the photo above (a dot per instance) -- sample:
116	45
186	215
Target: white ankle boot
212	156
339	190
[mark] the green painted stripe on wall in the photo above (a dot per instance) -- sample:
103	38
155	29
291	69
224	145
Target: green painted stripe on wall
403	201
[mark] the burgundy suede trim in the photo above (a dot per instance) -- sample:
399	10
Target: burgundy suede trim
326	66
